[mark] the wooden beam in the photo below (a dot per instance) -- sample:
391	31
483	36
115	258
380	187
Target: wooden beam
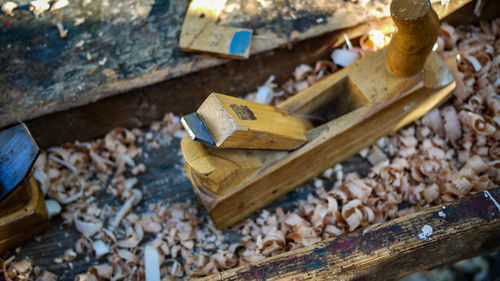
390	250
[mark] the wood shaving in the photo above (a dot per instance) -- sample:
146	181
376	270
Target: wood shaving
9	7
47	276
451	152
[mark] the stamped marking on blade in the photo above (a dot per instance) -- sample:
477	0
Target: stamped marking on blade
243	112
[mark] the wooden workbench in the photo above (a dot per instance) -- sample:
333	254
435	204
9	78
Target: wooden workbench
119	64
48	81
113	46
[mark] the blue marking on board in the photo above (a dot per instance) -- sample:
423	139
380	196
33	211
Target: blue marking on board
240	42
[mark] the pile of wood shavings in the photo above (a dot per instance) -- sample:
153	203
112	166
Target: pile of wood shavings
450	153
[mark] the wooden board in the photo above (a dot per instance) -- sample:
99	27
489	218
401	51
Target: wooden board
201	33
119	49
389	250
125	44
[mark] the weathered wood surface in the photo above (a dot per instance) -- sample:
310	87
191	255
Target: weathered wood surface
181	91
201	33
116	45
390	250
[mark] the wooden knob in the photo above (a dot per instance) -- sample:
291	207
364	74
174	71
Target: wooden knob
417	31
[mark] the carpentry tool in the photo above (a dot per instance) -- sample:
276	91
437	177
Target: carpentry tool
229	122
200	32
372	97
22	206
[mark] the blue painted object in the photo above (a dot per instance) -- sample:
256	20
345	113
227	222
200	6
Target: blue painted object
240	42
18	151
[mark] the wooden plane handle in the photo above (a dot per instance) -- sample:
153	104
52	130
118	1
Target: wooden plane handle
418	28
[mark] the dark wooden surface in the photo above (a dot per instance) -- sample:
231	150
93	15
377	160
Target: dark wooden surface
387	251
181	94
43	73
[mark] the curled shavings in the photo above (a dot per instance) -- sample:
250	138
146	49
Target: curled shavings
85	277
69	199
53	208
59	4
69	255
460	90
302	71
127	256
134	237
376	155
126	207
439	158
18	270
373	41
151	264
475	63
89	227
480	125
41	178
62	32
265	92
9	7
102	270
38	7
47	276
451	123
434	121
345	57
100	248
449	36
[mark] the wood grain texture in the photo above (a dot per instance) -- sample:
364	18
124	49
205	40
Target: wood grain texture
418	30
363	103
23	215
118	48
238	123
201	33
217	169
180	93
389	250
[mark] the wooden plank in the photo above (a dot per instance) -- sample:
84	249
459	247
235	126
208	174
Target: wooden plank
201	33
179	93
124	44
120	49
387	251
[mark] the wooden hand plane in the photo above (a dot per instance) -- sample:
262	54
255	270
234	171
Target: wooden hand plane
375	96
23	214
